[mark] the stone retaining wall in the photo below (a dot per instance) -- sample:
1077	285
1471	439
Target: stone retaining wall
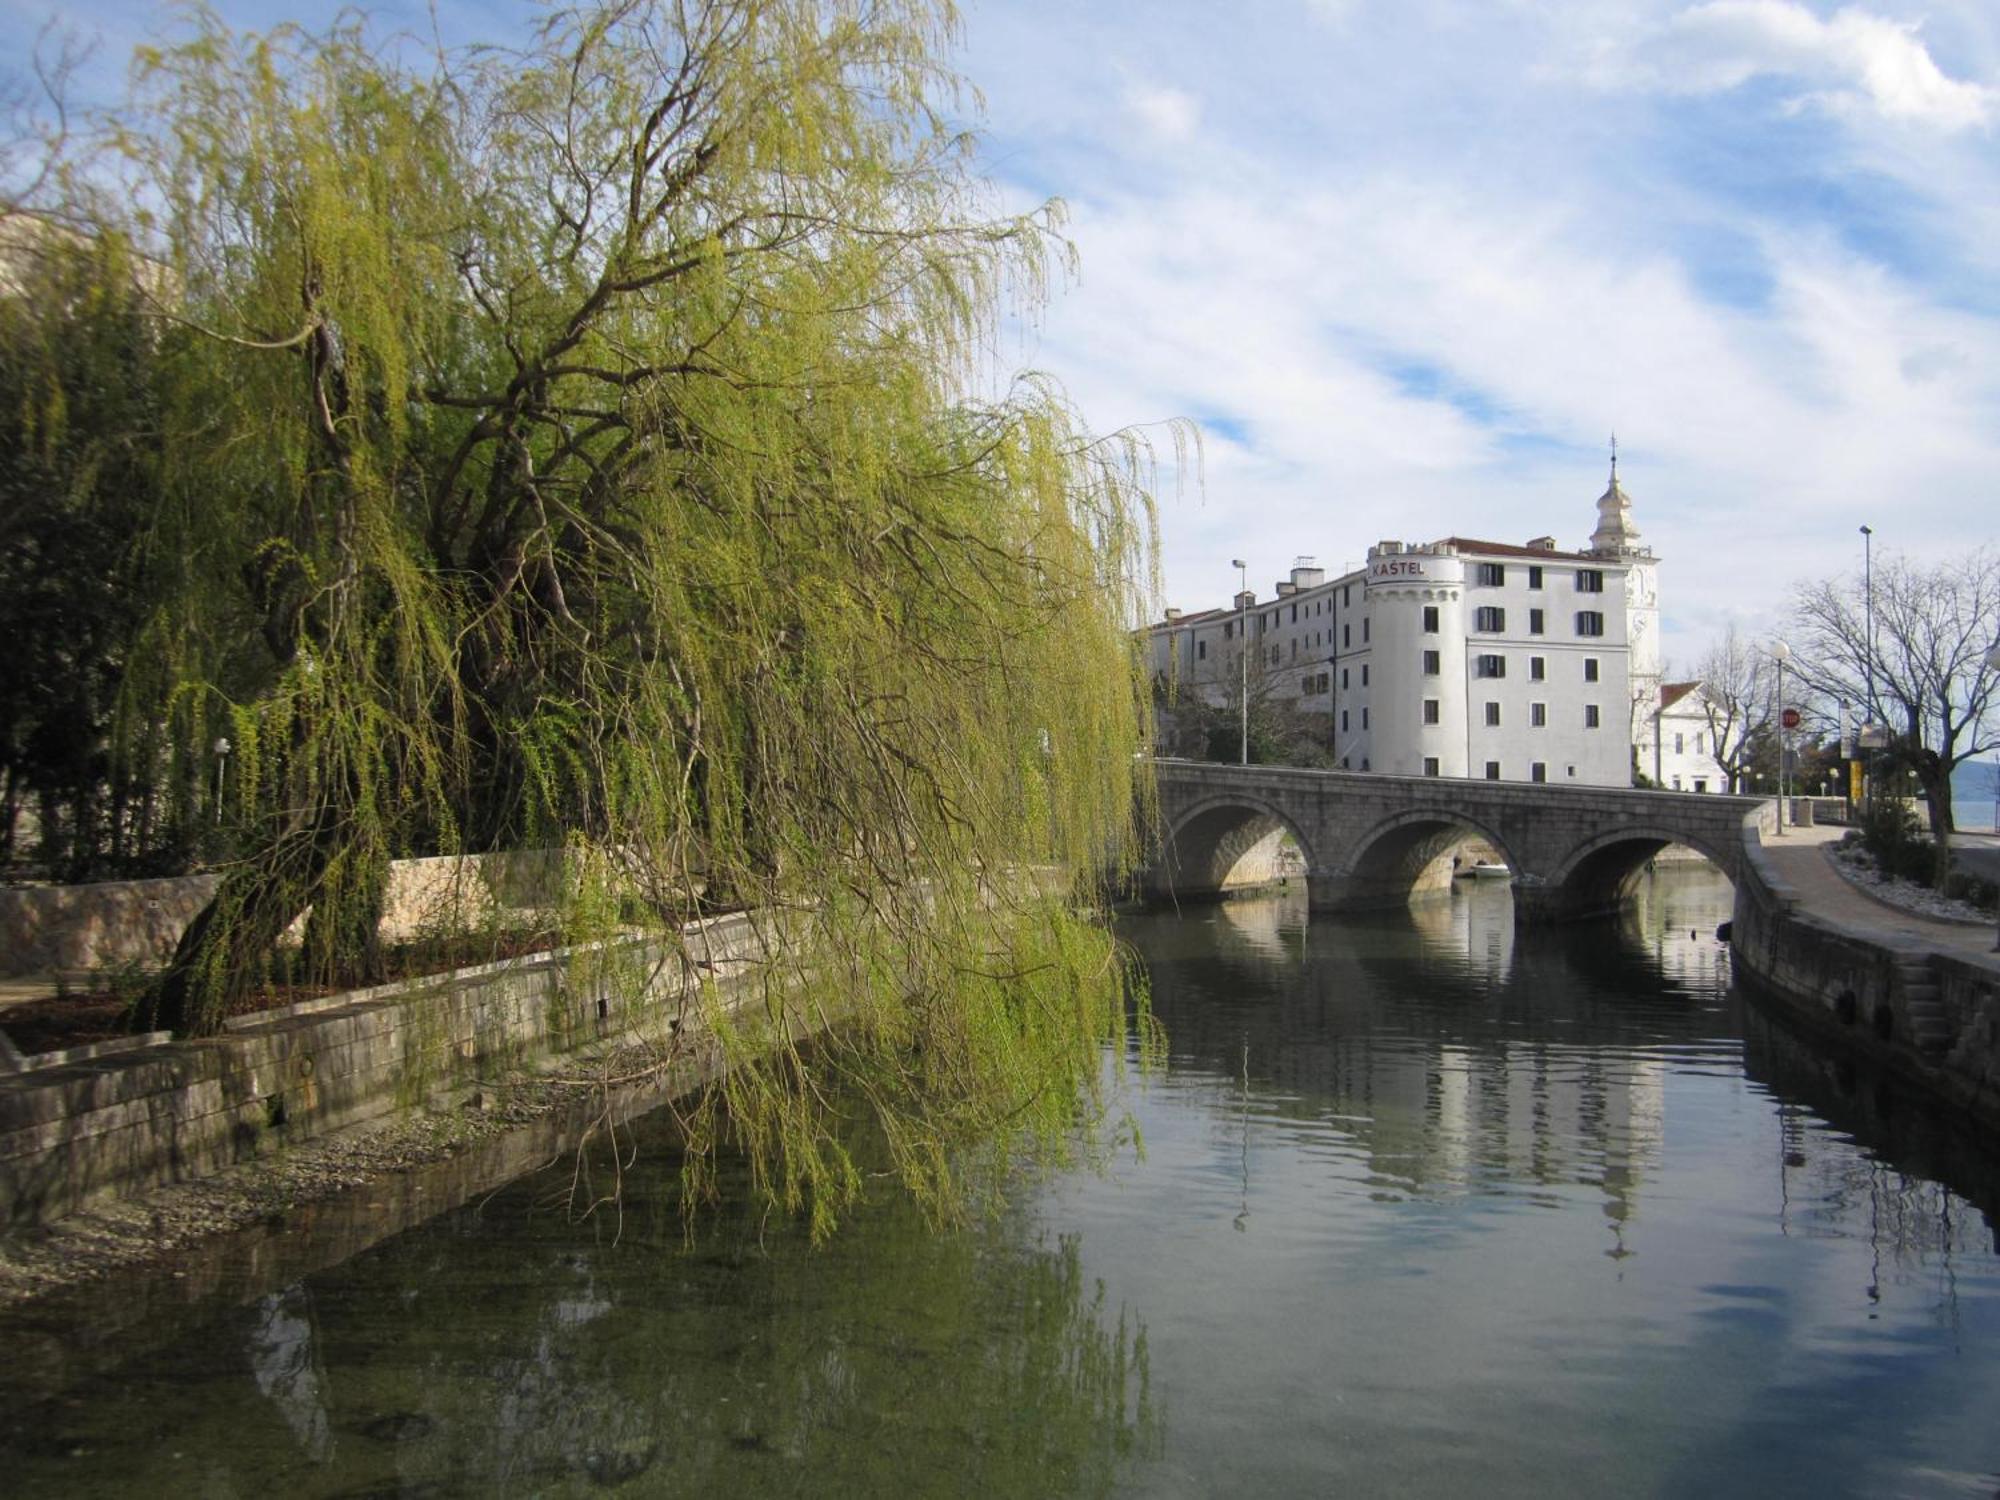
76	1127
1930	1017
114	924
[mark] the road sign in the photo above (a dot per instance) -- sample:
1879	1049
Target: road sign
1789	718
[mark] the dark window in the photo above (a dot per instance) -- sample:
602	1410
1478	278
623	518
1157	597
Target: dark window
1534	622
1534	575
1364	629
1364	718
1228	629
1490	666
1433	664
1493	770
1430	710
1538	715
1492	575
1201	650
1589	622
1343	679
1487	617
1589	581
1343	721
1430	765
1295	614
1590	717
1364	674
1590	669
1430	619
1538	772
1537	668
1492	716
1346	636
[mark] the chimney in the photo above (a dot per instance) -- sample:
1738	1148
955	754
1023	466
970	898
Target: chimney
1542	544
1172	614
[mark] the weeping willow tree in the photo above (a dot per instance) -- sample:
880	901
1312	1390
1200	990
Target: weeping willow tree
591	445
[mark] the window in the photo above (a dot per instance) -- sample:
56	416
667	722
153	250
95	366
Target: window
1201	650
1590	669
1430	710
1430	765
1493	770
1343	679
1433	664
1590	720
1538	668
1347	593
1364	674
1590	580
1589	622
1678	745
1343	721
1364	630
1430	619
1539	771
1295	614
1305	687
1534	622
1492	716
1486	617
1492	575
1275	654
1490	666
1364	718
1228	629
1346	636
1700	784
1538	716
1534	575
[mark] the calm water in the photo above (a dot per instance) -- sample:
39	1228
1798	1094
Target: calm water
1426	1207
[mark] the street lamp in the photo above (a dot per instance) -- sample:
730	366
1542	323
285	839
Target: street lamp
1781	653
221	761
1243	652
1868	606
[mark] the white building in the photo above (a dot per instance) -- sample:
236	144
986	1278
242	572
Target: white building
1677	748
1453	658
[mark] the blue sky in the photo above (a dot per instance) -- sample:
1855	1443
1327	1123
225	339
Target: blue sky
1411	262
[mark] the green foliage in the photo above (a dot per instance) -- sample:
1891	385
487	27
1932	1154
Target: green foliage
579	446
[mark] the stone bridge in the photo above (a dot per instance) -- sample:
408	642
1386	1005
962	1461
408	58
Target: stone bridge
1375	841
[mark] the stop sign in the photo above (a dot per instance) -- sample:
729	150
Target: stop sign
1789	718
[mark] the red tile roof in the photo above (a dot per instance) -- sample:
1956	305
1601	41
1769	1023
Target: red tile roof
1509	549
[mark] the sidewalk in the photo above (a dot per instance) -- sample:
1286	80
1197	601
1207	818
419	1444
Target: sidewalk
1803	859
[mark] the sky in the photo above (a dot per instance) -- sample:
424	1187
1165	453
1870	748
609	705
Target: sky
1411	263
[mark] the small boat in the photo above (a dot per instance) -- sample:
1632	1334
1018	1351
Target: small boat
1486	870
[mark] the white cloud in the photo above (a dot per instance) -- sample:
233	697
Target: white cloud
1172	115
1853	62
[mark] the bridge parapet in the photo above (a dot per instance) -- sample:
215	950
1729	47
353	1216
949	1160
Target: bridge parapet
1373	840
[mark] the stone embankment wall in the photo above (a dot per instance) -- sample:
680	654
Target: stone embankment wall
114	924
120	1117
1930	1017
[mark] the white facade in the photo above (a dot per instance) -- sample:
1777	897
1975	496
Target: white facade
1677	747
1453	658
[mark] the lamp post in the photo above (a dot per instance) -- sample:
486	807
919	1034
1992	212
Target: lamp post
1868	609
221	761
1781	653
1243	645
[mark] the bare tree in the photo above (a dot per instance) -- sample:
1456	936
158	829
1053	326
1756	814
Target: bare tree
1736	696
1926	664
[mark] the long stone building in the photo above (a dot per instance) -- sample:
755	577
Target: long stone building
1458	657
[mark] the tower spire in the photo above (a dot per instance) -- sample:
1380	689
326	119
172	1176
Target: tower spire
1614	460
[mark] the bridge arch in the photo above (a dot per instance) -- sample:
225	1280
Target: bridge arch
1597	874
1226	841
1405	854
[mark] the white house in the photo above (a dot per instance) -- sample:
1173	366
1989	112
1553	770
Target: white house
1677	745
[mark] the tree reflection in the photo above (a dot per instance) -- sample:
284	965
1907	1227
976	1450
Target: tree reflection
511	1349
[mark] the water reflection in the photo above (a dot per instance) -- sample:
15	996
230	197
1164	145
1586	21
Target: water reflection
1426	1204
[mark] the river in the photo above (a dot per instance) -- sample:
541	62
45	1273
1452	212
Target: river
1425	1206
